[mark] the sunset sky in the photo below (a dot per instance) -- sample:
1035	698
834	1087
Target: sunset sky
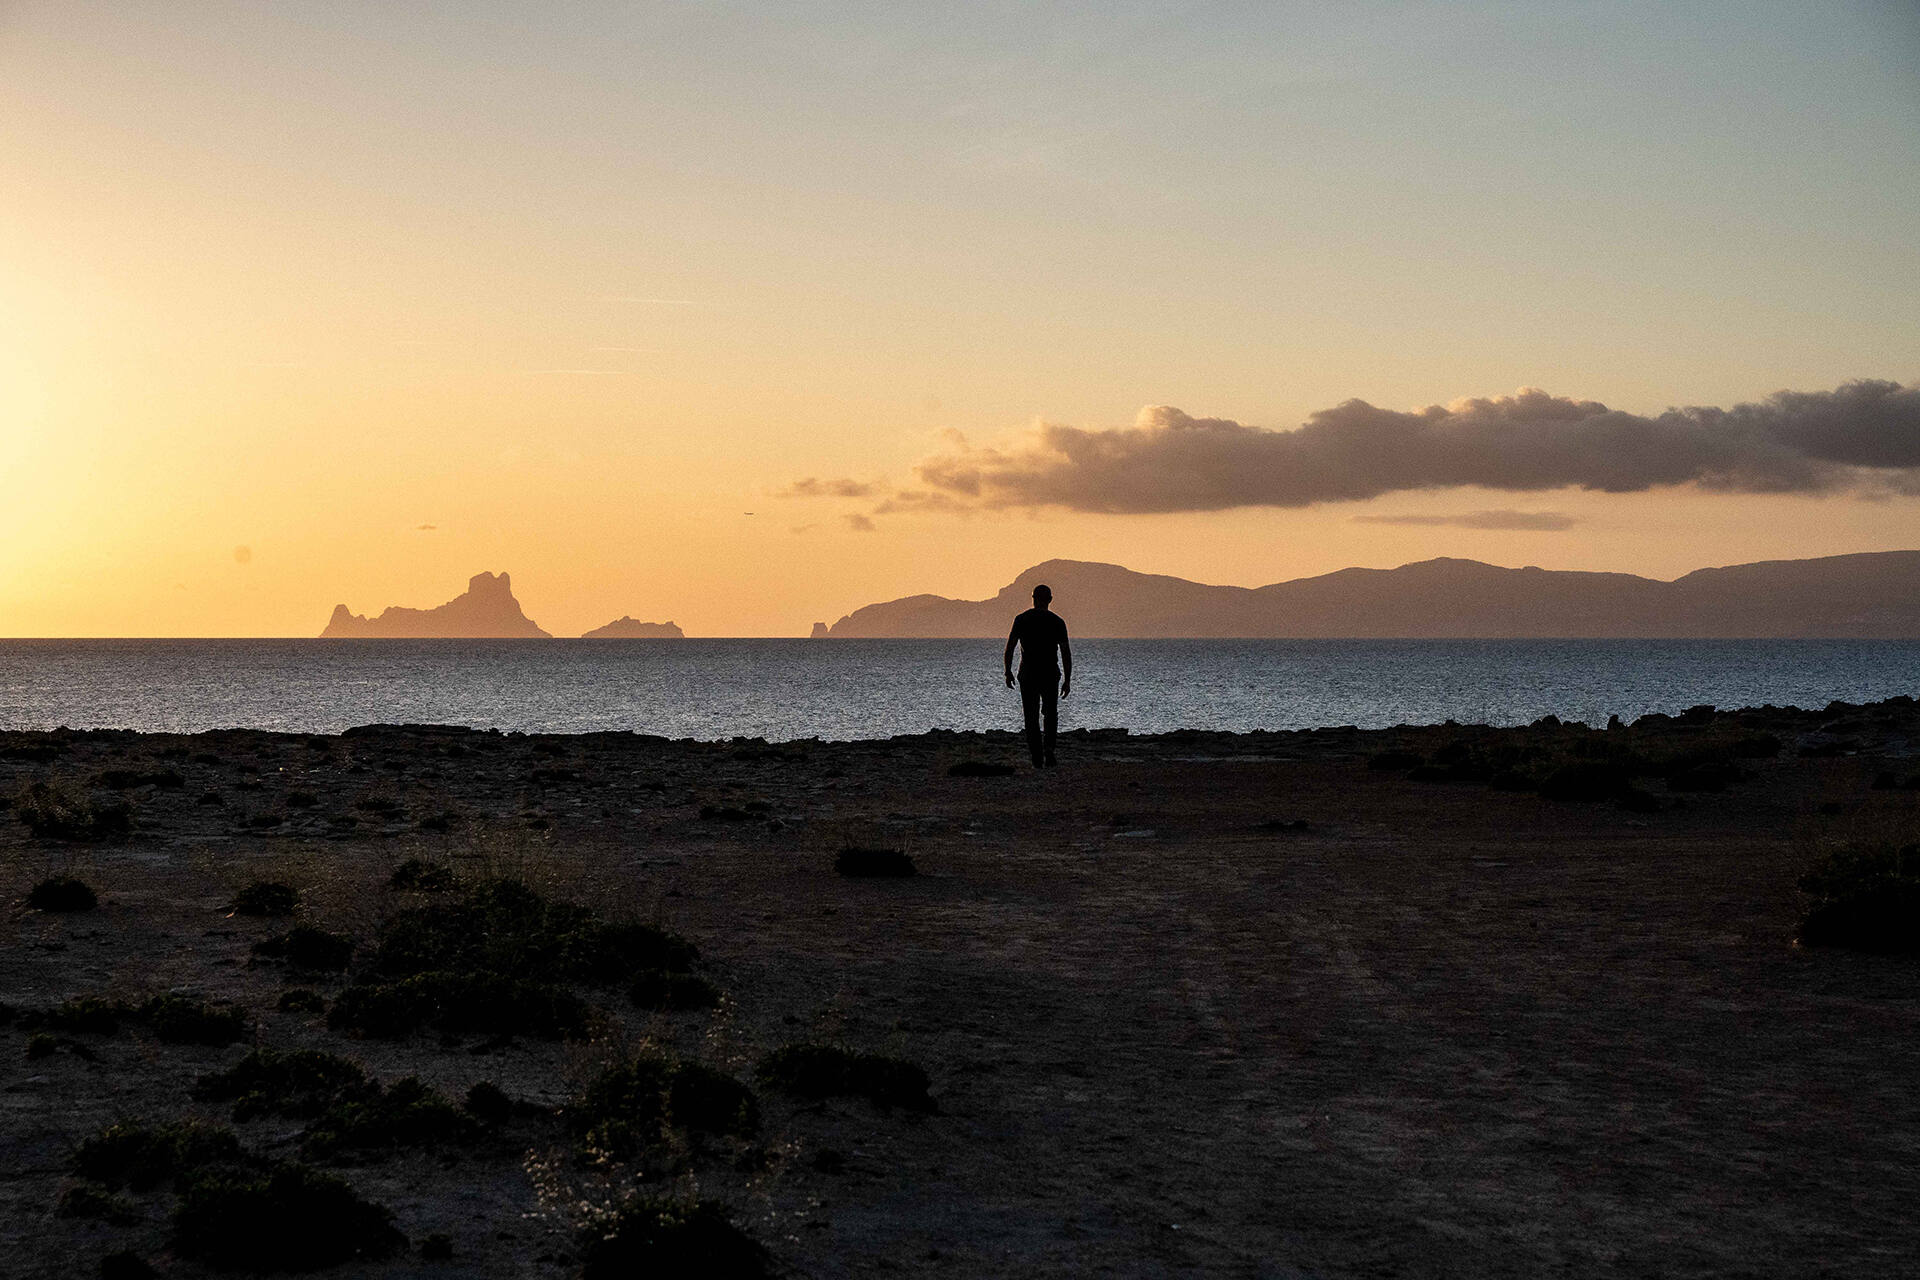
310	303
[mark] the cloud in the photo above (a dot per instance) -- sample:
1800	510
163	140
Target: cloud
816	488
1862	437
908	501
1538	520
425	528
243	555
858	523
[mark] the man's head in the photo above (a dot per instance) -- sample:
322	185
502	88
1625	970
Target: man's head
1042	595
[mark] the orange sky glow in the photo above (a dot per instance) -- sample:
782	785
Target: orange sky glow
309	304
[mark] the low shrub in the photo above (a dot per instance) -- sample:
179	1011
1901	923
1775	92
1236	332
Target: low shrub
62	893
408	1115
308	948
459	1002
286	1218
1865	897
979	769
298	1083
56	811
301	1000
141	1156
855	861
127	779
1587	780
1706	775
629	1107
1634	800
86	1015
266	898
659	989
500	960
185	1020
88	1201
125	1265
488	1103
827	1071
174	1019
504	927
657	1236
437	1247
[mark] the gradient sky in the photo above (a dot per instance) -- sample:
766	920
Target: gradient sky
303	303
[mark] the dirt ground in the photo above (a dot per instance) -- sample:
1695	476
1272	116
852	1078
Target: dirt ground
1190	1004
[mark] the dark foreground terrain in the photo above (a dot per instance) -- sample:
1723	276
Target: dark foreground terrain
1435	1002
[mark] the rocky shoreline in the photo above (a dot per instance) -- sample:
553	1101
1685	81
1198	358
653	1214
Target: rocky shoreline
1441	1000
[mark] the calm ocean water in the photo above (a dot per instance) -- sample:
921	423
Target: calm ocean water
783	689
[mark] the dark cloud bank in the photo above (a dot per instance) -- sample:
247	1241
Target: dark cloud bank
1862	437
1536	521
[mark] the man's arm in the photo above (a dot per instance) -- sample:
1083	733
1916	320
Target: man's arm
1012	636
1066	662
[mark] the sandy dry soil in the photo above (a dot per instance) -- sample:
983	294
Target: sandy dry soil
1440	1030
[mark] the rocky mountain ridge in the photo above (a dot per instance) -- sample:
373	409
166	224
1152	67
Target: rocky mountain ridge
1869	595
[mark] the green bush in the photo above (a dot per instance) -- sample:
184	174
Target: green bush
504	927
62	893
855	861
88	1201
421	876
86	1015
308	948
142	1156
629	1107
185	1020
126	779
488	1103
1587	780
266	898
56	811
499	960
407	1116
459	1002
1865	896
656	1236
299	1083
658	989
125	1265
287	1218
827	1071
979	769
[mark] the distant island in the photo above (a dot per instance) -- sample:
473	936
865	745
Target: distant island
632	629
485	611
1871	595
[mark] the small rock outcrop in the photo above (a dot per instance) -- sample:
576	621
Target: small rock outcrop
632	629
485	611
820	631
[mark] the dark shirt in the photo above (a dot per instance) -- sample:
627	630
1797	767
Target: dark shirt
1041	634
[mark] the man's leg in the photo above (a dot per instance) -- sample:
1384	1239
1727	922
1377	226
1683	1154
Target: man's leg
1030	705
1050	708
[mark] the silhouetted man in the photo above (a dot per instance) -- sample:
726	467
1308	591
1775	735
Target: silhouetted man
1041	633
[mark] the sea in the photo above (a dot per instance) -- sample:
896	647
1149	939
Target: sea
783	690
